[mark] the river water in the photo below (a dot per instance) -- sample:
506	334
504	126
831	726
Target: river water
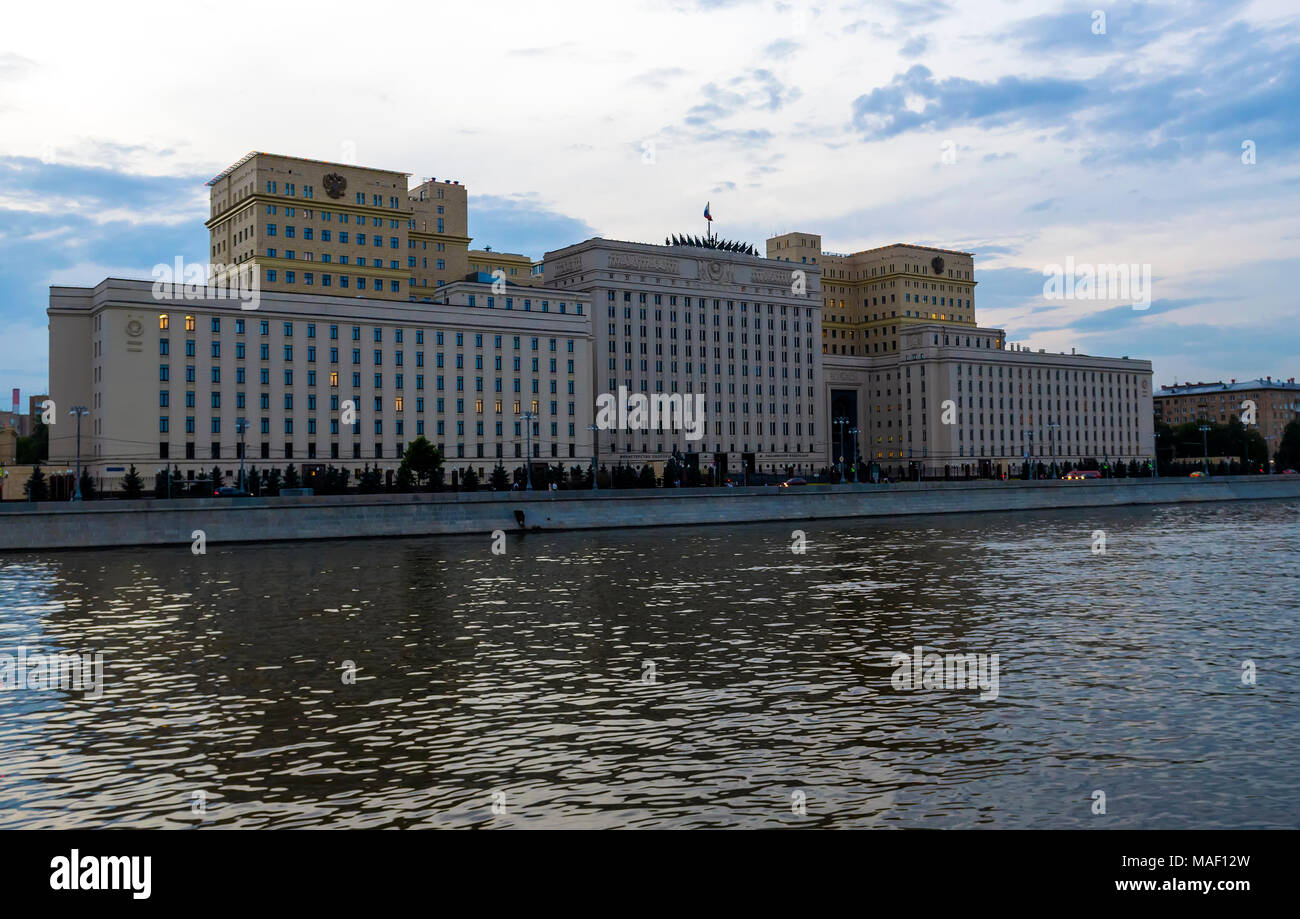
685	677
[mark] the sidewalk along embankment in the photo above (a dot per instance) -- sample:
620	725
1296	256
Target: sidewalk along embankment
66	525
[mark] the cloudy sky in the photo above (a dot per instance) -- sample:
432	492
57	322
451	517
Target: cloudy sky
1027	133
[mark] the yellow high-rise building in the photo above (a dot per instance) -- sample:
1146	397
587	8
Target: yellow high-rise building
869	297
309	226
516	268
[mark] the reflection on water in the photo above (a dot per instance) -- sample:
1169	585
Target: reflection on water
672	677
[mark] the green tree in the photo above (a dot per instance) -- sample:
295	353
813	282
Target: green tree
469	481
405	480
38	489
647	477
291	476
35	448
424	459
273	482
87	486
371	481
1288	450
217	477
672	472
500	481
132	484
334	481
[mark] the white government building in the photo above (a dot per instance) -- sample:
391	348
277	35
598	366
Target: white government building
804	359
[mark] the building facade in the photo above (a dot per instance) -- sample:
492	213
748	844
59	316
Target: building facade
869	296
515	268
913	384
949	407
1272	404
302	226
371	304
167	381
723	323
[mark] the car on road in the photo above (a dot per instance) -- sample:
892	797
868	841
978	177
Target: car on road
1289	472
229	491
1083	474
1198	474
796	480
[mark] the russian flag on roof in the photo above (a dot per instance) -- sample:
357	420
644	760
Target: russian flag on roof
707	215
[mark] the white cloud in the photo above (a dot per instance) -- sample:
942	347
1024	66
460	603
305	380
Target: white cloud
557	100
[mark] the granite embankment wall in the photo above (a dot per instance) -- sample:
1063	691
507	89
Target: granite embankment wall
25	527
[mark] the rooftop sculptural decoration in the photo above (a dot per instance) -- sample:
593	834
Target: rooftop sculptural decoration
712	242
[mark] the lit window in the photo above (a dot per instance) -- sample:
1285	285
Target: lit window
162	321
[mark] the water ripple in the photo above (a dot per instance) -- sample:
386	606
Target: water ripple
694	677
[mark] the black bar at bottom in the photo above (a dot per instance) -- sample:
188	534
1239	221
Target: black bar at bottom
667	870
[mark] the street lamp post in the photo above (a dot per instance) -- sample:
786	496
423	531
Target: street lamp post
241	425
80	411
1205	448
528	460
853	432
840	422
595	455
1051	429
1030	457
1155	465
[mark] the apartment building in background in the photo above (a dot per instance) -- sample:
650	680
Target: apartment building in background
167	381
720	321
1276	404
23	423
912	380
